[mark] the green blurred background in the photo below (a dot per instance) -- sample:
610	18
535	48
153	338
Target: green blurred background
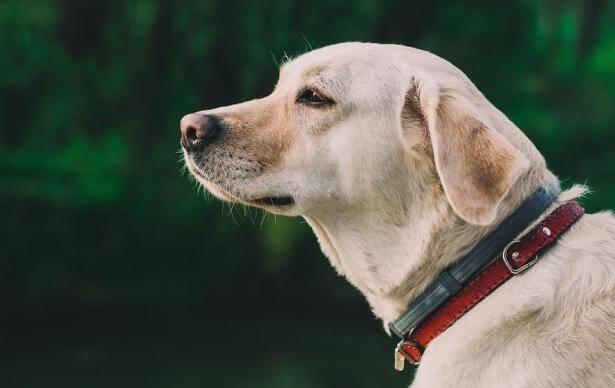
114	271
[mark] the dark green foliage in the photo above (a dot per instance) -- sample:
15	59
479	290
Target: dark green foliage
91	94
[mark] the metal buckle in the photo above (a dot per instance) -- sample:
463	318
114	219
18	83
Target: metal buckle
511	269
401	356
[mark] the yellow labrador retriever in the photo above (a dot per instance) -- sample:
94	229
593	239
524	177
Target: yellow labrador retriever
401	166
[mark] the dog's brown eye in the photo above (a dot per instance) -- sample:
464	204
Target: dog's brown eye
313	97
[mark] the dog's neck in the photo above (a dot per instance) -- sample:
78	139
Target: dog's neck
393	251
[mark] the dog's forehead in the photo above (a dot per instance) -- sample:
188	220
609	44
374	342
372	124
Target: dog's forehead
334	60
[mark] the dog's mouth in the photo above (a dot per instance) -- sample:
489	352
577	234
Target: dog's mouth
285	200
269	202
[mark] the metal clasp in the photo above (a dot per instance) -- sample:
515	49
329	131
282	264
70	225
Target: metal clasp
401	356
515	255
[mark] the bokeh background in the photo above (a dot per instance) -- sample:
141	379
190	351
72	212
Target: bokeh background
114	271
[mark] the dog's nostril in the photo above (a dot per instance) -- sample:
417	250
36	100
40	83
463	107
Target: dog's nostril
196	129
191	133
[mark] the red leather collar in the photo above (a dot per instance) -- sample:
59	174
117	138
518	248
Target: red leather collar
516	257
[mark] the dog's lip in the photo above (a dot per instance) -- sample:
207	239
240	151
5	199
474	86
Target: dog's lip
277	201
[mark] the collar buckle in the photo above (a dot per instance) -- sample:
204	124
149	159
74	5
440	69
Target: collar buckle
515	257
401	356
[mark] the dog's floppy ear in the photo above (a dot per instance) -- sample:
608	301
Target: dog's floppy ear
476	164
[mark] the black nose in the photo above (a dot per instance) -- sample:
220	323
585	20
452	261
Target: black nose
197	129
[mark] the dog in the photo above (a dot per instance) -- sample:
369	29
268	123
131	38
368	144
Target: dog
400	166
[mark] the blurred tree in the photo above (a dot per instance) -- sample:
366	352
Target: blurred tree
94	210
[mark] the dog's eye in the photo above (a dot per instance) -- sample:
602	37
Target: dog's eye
313	97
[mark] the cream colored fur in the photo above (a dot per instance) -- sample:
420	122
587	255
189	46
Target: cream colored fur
403	174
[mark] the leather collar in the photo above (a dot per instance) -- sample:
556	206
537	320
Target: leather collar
474	276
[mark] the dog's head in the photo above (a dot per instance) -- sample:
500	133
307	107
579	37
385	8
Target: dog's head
355	124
